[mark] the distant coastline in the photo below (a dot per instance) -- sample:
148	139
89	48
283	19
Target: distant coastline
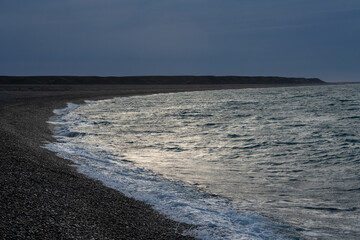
150	80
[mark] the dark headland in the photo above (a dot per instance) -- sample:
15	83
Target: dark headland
42	196
156	80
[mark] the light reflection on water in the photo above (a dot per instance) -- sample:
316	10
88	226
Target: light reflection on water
291	154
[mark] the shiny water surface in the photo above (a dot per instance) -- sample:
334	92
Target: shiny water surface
278	162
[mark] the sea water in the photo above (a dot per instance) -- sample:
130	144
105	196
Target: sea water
273	163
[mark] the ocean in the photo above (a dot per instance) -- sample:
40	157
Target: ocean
271	163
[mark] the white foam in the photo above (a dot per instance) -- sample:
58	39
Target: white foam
70	107
213	216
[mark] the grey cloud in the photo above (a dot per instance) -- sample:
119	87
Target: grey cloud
139	37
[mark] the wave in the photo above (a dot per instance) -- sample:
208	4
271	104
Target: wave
213	216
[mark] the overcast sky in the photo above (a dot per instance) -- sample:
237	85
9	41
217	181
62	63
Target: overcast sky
300	38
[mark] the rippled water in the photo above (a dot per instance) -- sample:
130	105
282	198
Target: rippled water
251	163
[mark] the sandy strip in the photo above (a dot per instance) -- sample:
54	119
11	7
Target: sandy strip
42	196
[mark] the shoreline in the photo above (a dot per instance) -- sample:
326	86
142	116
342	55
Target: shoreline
43	196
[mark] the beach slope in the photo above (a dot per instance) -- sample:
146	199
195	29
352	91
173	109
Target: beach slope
43	196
